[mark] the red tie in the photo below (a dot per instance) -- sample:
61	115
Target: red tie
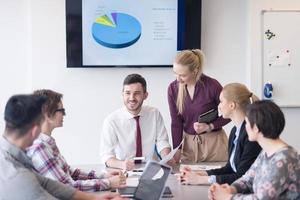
139	151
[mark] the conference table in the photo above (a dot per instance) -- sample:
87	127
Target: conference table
190	192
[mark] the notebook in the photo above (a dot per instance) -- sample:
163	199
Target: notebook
151	184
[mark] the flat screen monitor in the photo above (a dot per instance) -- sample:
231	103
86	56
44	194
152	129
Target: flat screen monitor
130	33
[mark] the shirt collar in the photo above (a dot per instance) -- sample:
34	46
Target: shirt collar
238	129
128	115
15	152
47	139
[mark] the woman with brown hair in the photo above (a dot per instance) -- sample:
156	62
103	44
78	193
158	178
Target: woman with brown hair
48	161
275	174
192	94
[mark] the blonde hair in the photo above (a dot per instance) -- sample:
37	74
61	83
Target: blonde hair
193	59
239	94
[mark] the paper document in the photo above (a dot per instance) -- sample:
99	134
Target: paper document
171	154
136	172
132	181
200	167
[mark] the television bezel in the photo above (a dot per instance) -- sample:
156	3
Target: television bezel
188	33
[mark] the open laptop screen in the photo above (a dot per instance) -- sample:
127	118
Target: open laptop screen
152	181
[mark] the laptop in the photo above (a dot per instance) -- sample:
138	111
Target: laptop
151	184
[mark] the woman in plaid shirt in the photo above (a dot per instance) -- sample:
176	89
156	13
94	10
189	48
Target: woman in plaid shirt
48	161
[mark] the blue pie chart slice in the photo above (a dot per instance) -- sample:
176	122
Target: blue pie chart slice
125	31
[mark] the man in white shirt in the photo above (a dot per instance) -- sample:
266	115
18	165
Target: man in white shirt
119	143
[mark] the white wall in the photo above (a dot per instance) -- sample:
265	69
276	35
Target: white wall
291	132
90	94
14	43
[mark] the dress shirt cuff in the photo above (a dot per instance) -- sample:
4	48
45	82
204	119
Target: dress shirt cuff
107	182
106	157
100	175
212	179
161	145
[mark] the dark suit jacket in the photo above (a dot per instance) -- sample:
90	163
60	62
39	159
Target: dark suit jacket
245	154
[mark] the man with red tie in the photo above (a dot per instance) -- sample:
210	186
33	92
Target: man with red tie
133	130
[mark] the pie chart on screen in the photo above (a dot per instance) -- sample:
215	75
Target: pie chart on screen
116	30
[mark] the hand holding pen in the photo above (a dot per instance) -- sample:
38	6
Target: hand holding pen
128	163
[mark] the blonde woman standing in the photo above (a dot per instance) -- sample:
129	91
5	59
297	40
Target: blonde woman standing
190	95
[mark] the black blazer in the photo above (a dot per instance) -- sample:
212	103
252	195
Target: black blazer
245	154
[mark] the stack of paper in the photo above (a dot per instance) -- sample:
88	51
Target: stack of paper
200	167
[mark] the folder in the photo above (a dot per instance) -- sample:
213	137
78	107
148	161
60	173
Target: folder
208	116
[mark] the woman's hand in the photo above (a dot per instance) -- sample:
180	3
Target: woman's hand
221	192
211	191
201	127
187	176
202	173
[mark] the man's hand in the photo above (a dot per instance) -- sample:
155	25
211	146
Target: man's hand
172	162
79	195
128	164
109	196
118	181
111	172
177	155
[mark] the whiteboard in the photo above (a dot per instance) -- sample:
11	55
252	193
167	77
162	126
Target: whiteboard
281	55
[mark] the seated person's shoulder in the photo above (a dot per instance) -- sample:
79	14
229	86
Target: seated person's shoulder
14	173
10	168
23	185
288	153
115	115
36	147
150	108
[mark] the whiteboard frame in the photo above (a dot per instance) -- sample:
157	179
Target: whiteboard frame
262	55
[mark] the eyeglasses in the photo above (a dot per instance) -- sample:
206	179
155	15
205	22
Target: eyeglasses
62	110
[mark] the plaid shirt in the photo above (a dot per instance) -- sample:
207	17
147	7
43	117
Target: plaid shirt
48	161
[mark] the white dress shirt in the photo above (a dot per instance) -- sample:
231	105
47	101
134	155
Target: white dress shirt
231	159
119	134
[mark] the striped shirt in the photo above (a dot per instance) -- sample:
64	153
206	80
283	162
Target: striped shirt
49	162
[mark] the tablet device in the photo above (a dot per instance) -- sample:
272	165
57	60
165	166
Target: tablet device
208	116
152	182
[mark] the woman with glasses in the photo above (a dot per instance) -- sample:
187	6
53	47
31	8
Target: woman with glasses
234	99
275	174
48	161
191	95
